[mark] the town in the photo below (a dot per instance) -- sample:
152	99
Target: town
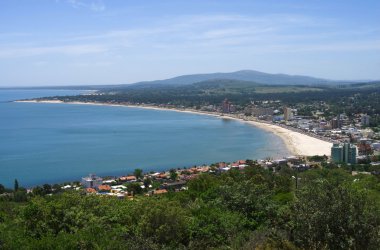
175	180
363	141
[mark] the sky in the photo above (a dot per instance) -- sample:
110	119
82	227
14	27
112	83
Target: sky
78	42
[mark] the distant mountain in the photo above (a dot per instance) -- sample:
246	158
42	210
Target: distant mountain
243	75
224	83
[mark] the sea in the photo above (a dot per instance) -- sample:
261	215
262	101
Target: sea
55	143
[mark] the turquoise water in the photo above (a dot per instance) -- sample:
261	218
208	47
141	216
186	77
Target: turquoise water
49	143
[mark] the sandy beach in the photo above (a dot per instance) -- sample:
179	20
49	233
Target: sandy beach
297	143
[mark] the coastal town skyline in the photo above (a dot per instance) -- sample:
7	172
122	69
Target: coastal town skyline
71	42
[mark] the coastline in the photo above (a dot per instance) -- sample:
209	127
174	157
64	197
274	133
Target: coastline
297	143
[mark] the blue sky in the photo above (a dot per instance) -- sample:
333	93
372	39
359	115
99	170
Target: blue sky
69	42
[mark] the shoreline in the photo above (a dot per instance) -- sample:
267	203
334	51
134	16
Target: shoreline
297	143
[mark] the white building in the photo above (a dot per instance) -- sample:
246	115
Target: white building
91	181
288	115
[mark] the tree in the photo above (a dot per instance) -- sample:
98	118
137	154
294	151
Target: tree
134	188
2	189
57	188
38	191
138	173
327	215
173	174
47	189
164	221
16	185
212	227
147	181
20	195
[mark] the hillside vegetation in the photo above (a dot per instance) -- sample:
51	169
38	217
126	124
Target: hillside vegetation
253	209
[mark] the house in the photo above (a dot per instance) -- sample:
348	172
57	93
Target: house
130	178
293	159
90	190
173	185
111	181
225	169
162	176
189	177
104	188
67	187
235	165
222	164
91	181
241	162
159	191
281	162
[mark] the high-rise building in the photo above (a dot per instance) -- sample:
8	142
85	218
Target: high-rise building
344	152
226	105
336	122
365	120
288	115
337	152
350	153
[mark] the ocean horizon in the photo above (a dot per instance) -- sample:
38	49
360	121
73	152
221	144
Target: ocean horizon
54	143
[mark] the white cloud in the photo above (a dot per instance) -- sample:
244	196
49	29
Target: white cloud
197	34
96	6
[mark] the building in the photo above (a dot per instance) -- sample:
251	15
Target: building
364	147
130	178
177	185
336	123
350	153
261	111
91	181
288	115
343	152
226	106
104	188
364	120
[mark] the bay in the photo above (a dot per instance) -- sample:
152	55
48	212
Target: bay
52	143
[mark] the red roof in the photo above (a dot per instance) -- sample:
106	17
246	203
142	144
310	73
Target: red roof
104	188
160	191
162	176
90	190
128	178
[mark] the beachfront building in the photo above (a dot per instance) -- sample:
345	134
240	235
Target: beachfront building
288	115
350	153
91	181
344	152
226	105
261	111
337	152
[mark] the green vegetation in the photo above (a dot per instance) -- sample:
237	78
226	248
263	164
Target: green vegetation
250	209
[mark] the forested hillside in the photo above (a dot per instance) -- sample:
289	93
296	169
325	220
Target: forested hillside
250	209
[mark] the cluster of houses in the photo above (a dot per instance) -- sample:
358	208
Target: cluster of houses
340	128
162	182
